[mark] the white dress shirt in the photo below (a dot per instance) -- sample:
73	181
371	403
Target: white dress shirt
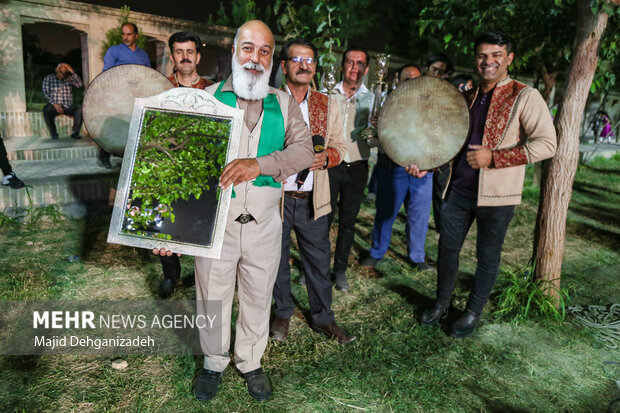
290	184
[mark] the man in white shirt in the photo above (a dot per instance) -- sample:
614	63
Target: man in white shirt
348	180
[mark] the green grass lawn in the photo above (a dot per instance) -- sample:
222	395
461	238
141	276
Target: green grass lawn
394	365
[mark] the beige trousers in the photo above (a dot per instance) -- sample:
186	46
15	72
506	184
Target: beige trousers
250	256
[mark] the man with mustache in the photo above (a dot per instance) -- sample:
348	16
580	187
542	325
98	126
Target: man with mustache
125	53
185	54
510	126
275	144
306	200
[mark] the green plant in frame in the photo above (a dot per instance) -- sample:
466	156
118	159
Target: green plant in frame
178	155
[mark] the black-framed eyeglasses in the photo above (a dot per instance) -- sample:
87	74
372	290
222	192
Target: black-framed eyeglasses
299	59
360	65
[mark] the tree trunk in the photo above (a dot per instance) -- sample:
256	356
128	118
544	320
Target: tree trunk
549	81
559	172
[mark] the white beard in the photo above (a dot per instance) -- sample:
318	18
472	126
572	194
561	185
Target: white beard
248	86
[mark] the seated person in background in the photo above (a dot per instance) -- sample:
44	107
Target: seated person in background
59	97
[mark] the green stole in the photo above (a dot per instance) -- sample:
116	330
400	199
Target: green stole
272	130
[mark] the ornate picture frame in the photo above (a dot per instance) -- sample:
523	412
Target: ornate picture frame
168	194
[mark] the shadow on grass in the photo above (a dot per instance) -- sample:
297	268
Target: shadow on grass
607	238
596	193
20	373
417	300
601	170
494	405
421	302
589	186
608	217
98	214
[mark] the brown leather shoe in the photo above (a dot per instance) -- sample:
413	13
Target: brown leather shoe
279	328
332	330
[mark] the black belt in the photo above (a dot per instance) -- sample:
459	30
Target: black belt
299	194
244	218
350	164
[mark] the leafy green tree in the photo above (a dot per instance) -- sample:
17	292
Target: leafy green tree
541	50
321	24
320	21
114	36
238	13
177	156
555	35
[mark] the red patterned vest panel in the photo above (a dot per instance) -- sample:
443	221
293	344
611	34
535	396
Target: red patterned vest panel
501	111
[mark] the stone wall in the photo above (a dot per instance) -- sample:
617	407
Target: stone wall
32	124
92	20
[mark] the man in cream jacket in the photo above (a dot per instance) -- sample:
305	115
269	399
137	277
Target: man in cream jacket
510	126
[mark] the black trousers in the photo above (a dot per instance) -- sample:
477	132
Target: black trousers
171	266
440	180
4	160
347	182
458	214
313	240
49	114
103	154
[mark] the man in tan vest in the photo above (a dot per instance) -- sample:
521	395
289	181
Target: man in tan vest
510	126
252	241
307	199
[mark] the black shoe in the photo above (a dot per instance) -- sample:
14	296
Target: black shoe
432	316
11	180
206	385
333	331
166	287
370	262
279	328
258	384
54	137
465	325
422	266
105	163
340	279
76	136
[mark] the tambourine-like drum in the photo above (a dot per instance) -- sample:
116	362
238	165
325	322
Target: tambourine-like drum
108	102
425	122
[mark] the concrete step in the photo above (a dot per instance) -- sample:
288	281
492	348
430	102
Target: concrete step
45	148
60	182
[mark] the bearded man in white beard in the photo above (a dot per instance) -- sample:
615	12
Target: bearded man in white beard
275	144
